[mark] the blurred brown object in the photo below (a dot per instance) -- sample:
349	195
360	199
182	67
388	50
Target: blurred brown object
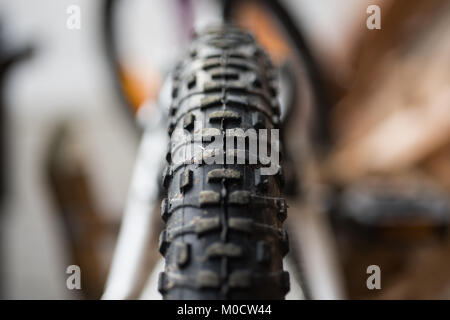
397	112
406	273
252	16
139	88
438	166
90	235
393	124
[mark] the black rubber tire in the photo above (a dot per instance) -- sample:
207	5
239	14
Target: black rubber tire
223	237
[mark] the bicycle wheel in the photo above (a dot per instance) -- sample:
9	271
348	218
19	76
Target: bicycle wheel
223	237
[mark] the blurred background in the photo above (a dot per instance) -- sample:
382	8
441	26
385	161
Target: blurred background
367	136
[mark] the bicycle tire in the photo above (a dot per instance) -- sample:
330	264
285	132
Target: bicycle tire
223	235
